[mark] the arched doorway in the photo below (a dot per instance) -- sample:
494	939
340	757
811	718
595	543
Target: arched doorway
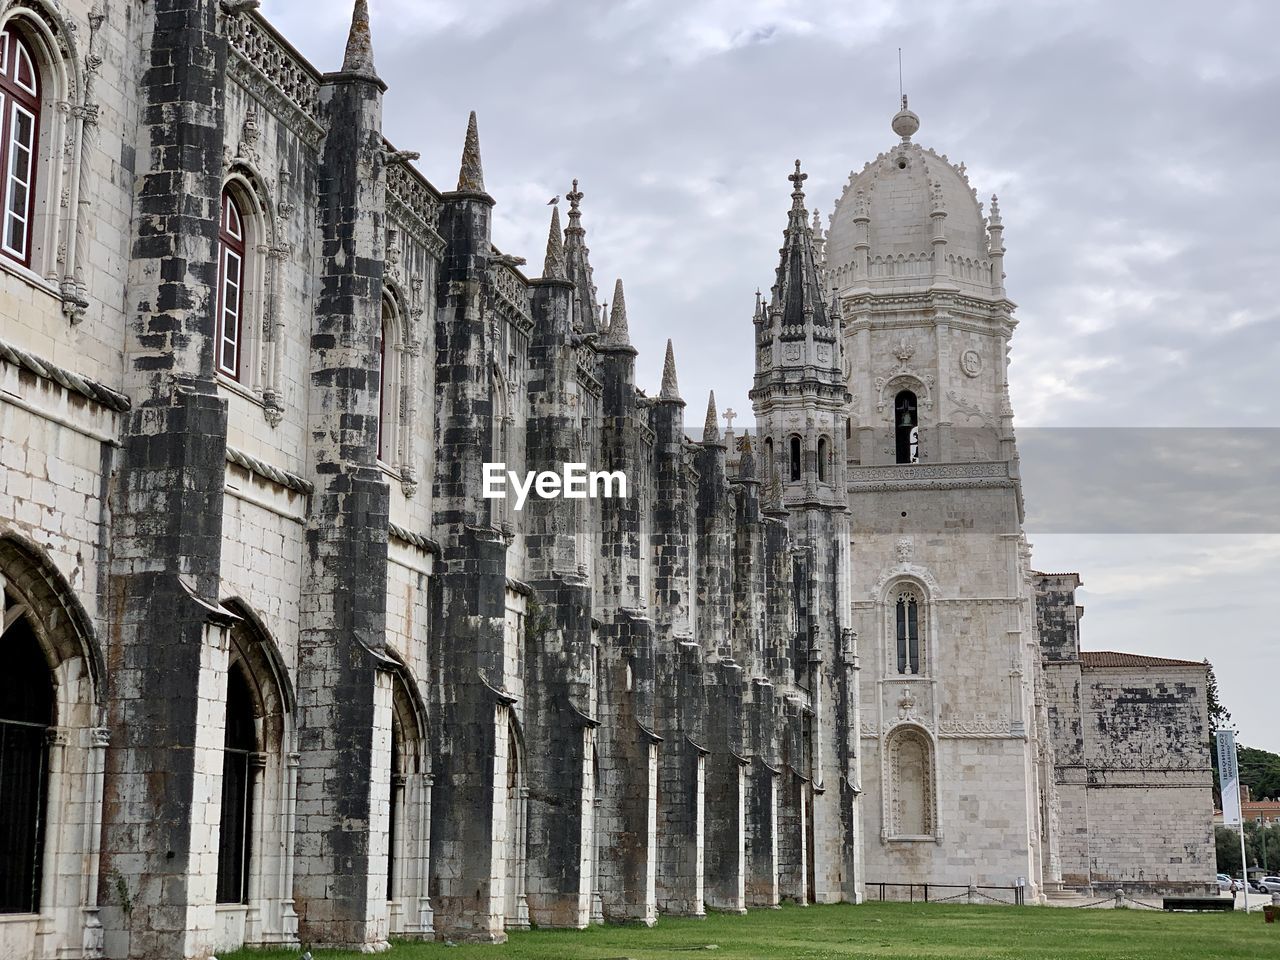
409	910
517	904
254	892
51	759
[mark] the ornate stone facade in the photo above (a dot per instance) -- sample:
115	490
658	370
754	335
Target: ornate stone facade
284	675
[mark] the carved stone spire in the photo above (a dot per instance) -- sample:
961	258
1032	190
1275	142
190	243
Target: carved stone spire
746	459
358	58
553	265
773	505
798	290
470	174
619	336
711	432
578	263
670	389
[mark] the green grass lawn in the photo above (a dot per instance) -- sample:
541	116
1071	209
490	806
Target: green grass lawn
897	930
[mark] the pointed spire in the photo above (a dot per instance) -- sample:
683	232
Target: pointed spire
798	289
746	458
576	258
816	226
553	265
994	219
358	58
470	174
797	194
711	431
619	336
670	389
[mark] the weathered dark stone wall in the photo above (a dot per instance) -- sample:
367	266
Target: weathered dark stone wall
166	656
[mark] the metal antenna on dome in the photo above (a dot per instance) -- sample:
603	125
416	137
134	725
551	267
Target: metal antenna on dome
899	73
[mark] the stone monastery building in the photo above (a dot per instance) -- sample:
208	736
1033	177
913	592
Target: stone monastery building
276	672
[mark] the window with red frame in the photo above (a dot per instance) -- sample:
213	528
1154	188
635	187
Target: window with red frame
19	140
231	257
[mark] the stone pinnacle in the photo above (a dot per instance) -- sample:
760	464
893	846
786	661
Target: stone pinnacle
470	174
670	389
619	335
358	58
553	266
711	432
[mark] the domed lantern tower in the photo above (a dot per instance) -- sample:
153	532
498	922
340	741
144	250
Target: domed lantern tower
955	785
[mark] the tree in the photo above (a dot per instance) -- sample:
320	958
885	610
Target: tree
1219	717
1227	840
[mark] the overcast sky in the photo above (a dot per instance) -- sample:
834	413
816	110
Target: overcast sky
1133	146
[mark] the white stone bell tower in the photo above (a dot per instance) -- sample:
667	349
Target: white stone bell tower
941	594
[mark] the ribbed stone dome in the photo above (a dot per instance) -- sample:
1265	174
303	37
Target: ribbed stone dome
899	191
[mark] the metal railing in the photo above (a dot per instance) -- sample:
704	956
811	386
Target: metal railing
939	893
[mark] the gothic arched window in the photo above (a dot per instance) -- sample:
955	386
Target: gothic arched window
824	453
26	714
906	422
907	620
236	827
389	383
232	245
795	458
19	142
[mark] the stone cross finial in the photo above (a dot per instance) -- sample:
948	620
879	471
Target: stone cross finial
729	416
798	179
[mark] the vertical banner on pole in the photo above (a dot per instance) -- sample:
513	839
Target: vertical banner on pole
1229	777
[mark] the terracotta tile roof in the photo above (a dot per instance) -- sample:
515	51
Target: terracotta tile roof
1110	658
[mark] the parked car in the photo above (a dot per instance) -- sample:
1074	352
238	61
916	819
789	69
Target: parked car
1224	883
1268	885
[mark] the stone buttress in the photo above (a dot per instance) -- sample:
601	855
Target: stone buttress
344	678
627	747
680	704
559	656
167	648
474	711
